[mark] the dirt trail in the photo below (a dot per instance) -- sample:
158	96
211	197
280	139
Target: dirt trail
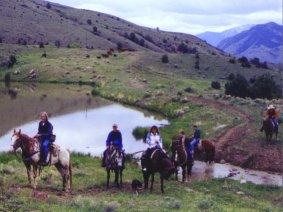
236	147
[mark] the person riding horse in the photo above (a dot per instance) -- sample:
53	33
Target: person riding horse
194	143
44	134
114	138
154	141
272	115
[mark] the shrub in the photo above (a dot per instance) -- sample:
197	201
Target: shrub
183	48
244	62
41	45
1	40
94	29
215	85
140	133
7	78
231	77
164	58
57	43
265	87
22	41
239	86
48	5
232	60
89	22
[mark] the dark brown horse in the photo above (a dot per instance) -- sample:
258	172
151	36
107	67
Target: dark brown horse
60	157
115	162
206	148
180	157
158	162
269	129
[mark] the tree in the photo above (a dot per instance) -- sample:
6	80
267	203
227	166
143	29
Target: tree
265	87
48	5
89	22
183	48
239	86
244	62
164	58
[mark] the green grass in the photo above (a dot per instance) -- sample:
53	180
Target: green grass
89	192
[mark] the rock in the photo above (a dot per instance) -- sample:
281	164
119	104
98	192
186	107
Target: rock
242	181
189	190
240	193
17	72
222	161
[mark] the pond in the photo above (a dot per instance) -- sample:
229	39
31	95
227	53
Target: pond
83	128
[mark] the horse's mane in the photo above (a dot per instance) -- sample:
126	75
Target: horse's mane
25	137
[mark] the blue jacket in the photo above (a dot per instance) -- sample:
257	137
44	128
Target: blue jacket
116	137
197	133
45	128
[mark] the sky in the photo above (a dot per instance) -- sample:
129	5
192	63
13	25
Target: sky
188	16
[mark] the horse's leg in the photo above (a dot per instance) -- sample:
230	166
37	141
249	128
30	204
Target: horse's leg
117	178
63	171
34	169
145	179
28	167
176	173
152	180
161	183
121	177
108	178
184	173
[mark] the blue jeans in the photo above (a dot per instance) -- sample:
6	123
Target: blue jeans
45	148
194	144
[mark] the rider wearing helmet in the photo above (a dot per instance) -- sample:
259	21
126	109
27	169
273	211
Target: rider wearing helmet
272	115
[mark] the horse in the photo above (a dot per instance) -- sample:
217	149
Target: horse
180	157
158	162
60	157
205	147
269	129
114	161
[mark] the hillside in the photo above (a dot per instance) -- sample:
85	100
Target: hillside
214	38
263	41
34	21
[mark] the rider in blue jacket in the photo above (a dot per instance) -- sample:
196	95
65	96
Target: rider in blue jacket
45	131
195	141
114	137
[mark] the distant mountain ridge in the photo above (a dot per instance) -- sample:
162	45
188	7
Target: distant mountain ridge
214	38
263	41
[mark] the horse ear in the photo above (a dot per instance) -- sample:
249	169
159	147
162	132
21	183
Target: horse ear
20	131
14	131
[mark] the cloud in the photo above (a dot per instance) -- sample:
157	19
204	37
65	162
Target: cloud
188	16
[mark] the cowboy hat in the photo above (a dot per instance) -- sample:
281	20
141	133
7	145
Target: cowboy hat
270	107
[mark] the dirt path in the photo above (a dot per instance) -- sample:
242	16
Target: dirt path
236	146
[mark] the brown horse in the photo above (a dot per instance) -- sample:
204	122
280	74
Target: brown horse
158	162
30	147
180	157
205	147
269	129
115	162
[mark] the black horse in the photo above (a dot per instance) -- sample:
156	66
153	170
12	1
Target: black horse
269	129
180	157
157	162
114	161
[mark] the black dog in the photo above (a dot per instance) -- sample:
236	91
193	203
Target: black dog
136	185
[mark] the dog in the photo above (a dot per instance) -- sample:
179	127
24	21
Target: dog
136	186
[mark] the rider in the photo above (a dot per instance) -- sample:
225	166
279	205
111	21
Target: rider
272	115
44	134
115	137
154	141
181	137
195	141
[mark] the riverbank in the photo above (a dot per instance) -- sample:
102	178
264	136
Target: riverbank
89	191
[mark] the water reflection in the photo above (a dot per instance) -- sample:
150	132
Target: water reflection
86	131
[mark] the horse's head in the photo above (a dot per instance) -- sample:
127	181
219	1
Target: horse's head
169	168
16	140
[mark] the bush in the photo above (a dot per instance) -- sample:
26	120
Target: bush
89	22
48	5
57	43
239	86
140	133
265	87
183	48
164	58
215	85
244	62
7	78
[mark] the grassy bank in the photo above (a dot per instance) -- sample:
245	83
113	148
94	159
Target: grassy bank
89	192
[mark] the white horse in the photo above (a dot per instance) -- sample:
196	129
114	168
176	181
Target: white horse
60	157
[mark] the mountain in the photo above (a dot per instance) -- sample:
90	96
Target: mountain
214	38
263	41
36	21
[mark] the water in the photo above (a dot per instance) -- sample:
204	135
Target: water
203	171
86	131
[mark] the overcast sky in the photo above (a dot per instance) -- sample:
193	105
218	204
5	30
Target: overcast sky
189	16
